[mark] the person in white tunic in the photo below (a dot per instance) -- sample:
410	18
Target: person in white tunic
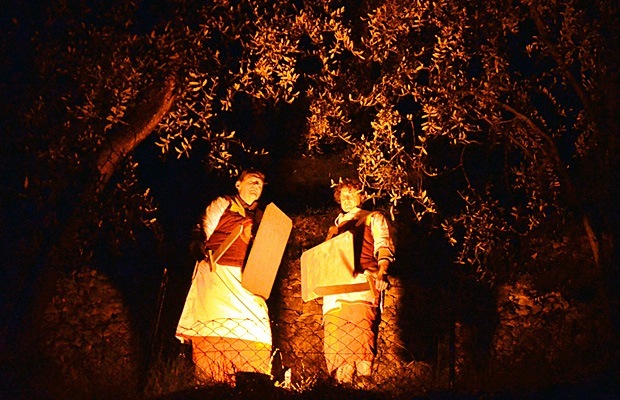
227	325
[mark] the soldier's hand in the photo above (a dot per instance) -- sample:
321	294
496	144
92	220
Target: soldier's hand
197	250
333	231
381	277
382	282
197	244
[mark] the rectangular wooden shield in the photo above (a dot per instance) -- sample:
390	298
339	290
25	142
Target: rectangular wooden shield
267	250
328	269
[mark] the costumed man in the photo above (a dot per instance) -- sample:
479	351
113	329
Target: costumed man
350	320
227	325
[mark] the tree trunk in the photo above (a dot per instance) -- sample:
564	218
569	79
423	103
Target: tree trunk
64	252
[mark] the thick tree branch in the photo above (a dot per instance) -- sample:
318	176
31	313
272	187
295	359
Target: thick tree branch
150	115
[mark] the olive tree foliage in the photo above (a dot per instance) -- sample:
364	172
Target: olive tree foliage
402	81
509	100
92	73
524	76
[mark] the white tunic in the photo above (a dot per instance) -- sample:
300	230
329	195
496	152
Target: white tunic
217	304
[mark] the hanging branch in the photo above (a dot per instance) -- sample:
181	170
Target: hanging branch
568	75
551	153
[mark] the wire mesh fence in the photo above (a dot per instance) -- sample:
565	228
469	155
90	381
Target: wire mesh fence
301	356
302	347
421	353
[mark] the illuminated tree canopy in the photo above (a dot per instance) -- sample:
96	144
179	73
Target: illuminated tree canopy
507	108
